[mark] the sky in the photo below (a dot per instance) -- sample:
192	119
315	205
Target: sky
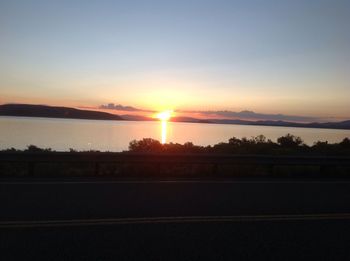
272	56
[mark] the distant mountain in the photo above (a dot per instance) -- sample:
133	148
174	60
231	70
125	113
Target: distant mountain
54	112
252	116
189	119
327	125
173	119
65	112
130	117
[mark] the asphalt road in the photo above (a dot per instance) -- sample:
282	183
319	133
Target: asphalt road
56	200
175	220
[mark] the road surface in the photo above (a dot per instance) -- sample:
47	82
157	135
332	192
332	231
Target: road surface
175	220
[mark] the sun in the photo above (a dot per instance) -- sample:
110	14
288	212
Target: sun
164	115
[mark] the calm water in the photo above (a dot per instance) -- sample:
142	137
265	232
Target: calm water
62	134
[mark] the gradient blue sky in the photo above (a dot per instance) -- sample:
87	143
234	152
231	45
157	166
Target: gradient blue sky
271	56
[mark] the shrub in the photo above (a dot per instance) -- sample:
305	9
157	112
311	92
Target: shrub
289	141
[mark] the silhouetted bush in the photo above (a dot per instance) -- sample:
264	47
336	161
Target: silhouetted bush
10	150
285	145
33	148
145	145
345	143
289	141
288	144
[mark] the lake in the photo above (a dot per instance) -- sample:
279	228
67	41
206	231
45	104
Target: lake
62	134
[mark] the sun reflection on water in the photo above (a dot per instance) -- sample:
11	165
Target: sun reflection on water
164	131
164	117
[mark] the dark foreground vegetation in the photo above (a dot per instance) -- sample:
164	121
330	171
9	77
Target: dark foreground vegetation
148	158
285	145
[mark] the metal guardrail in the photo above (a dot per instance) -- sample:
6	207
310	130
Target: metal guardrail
156	158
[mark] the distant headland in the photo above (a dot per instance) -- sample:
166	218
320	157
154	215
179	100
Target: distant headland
28	110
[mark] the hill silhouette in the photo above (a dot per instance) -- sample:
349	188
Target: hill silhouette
324	125
27	110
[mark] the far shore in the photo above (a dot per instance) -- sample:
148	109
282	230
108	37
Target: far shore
292	125
43	111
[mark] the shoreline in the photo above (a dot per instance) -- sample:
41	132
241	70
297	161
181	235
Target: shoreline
298	125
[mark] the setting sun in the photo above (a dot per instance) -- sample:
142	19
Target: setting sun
164	115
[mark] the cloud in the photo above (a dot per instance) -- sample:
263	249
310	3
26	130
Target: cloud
225	114
119	107
250	115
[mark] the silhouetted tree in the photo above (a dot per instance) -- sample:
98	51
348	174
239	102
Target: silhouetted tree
345	143
289	141
234	141
288	144
145	145
33	148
